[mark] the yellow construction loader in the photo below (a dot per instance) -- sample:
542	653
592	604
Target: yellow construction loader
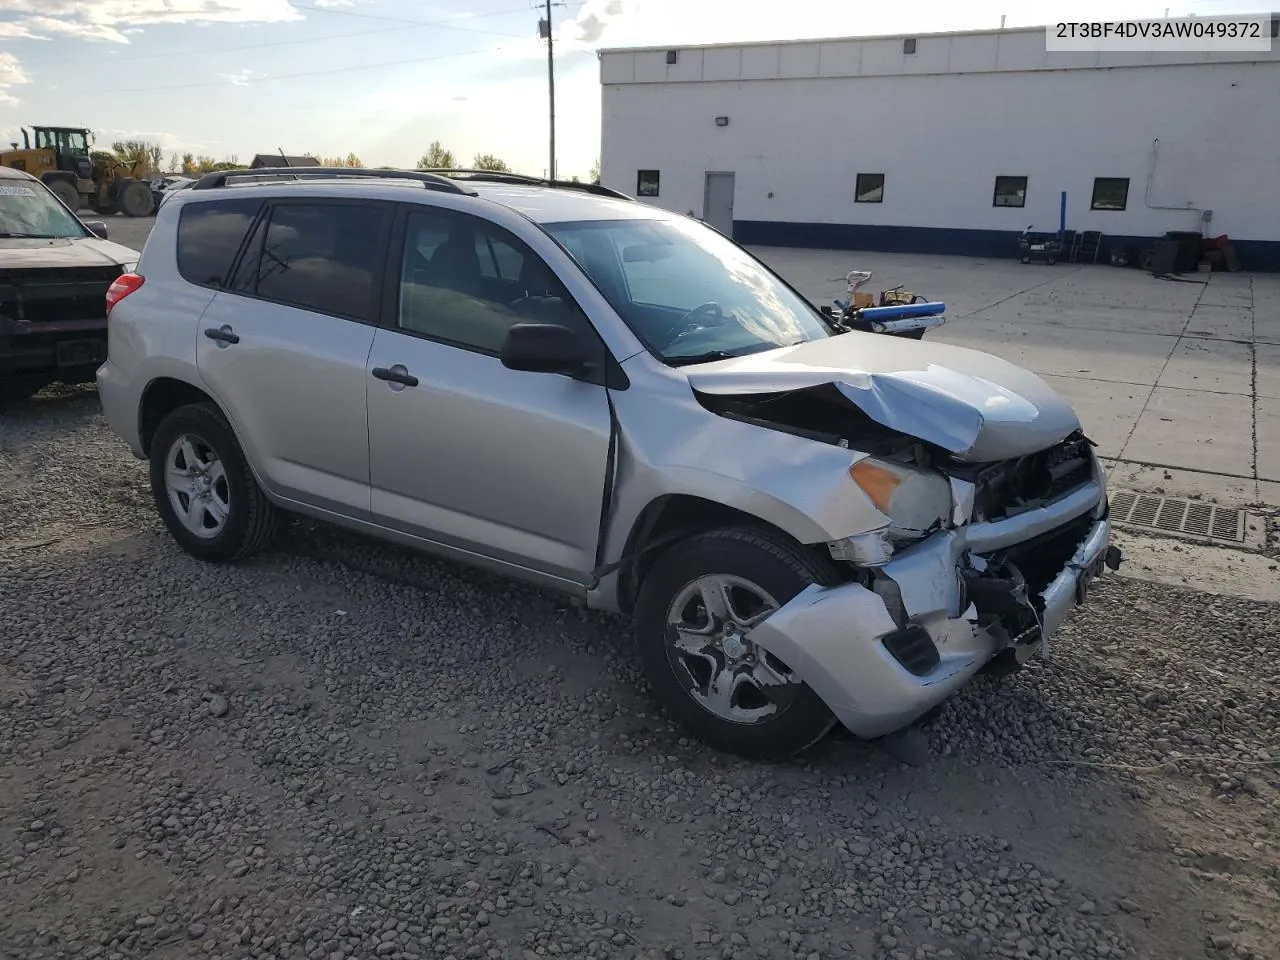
62	158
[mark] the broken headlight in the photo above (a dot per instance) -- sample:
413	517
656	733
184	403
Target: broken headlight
915	500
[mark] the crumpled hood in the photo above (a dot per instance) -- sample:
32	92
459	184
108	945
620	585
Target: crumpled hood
27	253
974	405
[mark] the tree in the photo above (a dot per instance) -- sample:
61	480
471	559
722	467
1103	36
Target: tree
350	160
188	165
175	164
595	171
437	157
139	153
487	161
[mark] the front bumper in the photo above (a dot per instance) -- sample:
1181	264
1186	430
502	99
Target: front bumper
41	348
883	655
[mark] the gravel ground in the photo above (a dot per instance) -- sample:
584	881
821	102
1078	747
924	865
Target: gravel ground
342	750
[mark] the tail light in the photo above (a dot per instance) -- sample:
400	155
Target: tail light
121	287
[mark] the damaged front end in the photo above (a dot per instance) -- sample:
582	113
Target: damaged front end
979	562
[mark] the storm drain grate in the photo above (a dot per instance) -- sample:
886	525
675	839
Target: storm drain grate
1175	515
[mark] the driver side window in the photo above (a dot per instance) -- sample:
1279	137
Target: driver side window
465	282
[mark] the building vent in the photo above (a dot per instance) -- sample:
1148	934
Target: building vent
1188	518
909	45
673	56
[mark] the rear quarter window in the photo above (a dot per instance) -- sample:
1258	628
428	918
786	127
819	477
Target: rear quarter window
209	237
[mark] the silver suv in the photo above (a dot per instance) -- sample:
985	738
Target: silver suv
553	381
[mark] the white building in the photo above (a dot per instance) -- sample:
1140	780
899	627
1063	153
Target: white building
949	143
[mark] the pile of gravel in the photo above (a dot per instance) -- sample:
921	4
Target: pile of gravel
343	750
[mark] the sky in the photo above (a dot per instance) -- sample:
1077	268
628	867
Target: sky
384	78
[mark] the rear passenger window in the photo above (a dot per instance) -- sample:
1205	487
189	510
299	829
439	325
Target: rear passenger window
321	257
209	236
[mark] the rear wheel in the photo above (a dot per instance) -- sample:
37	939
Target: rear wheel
135	199
67	193
204	490
693	614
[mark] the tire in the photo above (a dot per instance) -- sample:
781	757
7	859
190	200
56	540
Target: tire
748	561
67	193
135	199
244	521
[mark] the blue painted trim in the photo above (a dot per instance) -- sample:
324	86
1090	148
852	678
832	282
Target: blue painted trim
1256	255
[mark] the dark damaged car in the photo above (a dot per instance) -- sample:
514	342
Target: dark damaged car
54	275
809	525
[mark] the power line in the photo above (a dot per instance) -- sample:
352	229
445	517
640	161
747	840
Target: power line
107	61
295	76
376	16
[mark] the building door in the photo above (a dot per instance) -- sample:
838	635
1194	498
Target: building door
717	201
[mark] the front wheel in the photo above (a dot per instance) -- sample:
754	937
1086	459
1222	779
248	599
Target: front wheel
67	193
204	490
694	611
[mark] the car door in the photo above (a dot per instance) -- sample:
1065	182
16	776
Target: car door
284	347
505	464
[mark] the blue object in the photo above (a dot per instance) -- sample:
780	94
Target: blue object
903	311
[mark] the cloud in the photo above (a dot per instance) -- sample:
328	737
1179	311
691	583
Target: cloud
169	142
11	75
109	20
594	18
241	77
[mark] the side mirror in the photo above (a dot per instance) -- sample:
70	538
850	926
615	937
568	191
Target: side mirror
543	348
98	228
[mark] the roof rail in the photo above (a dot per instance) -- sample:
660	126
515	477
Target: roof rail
429	180
505	176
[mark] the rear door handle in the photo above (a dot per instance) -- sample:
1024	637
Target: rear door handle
223	334
397	374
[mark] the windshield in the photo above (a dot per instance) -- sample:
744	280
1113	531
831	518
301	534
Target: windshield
28	209
687	292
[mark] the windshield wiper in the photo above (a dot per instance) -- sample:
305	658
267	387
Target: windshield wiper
708	357
30	236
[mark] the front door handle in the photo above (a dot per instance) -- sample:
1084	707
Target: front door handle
223	335
397	374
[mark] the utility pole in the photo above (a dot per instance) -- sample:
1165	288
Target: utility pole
544	28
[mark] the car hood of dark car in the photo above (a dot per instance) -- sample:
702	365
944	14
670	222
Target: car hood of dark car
971	404
31	252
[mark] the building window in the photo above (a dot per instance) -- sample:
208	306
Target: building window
672	56
1110	193
1010	192
647	183
909	45
869	188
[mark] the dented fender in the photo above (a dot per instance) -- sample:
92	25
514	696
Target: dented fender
670	445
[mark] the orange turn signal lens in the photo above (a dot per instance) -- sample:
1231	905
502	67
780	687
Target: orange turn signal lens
876	482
